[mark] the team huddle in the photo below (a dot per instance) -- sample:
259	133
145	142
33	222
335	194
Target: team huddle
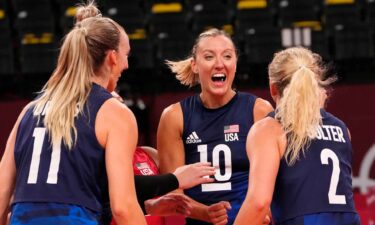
228	156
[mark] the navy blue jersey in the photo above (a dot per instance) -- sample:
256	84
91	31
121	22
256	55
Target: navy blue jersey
219	136
76	176
320	181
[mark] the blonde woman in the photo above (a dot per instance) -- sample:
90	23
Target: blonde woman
211	127
301	151
67	147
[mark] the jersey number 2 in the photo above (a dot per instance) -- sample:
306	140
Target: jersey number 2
39	135
333	198
202	149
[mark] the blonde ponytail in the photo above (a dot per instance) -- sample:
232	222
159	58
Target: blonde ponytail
67	90
184	72
299	112
299	78
81	58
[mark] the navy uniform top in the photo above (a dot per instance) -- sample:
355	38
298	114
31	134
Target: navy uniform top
320	181
219	136
76	176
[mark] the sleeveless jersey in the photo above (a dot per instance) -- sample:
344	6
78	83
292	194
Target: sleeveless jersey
320	181
219	136
76	176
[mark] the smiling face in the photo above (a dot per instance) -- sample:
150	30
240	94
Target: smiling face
120	61
215	62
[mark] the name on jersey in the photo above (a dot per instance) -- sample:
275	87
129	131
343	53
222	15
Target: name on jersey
231	132
330	133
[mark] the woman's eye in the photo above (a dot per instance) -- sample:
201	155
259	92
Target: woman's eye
227	56
208	57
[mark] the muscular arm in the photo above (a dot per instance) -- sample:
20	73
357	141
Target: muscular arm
8	171
171	149
116	130
172	155
265	145
169	139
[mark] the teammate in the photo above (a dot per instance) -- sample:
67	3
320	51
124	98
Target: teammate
146	162
149	184
211	127
301	151
67	147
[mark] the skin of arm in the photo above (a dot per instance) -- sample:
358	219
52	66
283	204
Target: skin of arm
265	146
172	155
8	171
169	139
116	130
261	109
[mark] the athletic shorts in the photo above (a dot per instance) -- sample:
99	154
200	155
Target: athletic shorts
52	214
324	219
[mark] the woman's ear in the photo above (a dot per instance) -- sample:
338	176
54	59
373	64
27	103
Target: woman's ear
194	67
112	57
273	90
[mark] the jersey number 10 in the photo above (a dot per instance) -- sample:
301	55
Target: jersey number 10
225	186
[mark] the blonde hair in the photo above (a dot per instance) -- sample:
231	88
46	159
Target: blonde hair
299	77
81	56
183	70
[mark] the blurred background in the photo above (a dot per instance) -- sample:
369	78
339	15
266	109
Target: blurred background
342	31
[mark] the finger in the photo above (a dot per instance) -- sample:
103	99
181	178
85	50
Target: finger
226	204
206	168
218	213
206	180
219	218
220	205
206	171
202	164
185	211
223	221
184	204
215	207
267	220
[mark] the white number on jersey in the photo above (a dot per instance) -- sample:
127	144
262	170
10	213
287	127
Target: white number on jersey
39	135
333	198
202	149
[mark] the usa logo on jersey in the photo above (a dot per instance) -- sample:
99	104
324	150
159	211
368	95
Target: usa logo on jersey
144	168
231	132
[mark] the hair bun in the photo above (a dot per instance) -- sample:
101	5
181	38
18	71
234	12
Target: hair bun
86	11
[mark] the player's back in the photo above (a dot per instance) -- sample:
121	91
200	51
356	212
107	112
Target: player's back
317	189
55	182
